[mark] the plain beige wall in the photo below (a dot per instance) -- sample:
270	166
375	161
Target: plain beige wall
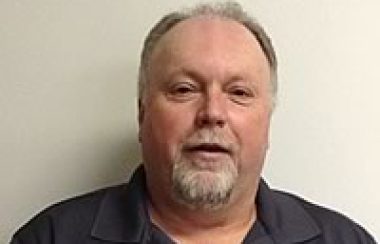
68	103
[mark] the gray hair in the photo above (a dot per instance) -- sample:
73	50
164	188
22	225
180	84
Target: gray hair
227	10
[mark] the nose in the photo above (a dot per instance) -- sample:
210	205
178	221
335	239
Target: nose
212	111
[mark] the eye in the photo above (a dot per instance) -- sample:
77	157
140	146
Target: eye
241	94
182	90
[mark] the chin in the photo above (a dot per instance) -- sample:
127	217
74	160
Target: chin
203	188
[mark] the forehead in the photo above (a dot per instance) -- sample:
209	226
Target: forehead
210	43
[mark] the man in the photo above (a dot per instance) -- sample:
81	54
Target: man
207	89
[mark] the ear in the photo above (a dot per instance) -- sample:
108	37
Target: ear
141	112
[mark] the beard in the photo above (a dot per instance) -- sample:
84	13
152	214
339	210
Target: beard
199	187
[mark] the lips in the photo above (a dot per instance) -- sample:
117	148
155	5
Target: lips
208	148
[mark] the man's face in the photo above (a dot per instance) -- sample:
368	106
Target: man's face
205	114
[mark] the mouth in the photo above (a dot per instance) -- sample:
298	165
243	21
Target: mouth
208	156
212	148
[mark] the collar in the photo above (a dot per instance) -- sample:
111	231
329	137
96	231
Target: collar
123	217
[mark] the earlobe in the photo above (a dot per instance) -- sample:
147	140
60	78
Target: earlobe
139	135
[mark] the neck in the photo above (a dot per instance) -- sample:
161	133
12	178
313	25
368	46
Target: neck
228	224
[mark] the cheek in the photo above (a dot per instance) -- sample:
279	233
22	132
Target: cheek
252	133
164	127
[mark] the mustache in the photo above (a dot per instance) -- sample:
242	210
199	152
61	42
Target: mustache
211	138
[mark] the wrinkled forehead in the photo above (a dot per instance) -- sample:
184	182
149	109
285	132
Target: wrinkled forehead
192	33
216	47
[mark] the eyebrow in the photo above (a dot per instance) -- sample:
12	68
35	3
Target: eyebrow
199	77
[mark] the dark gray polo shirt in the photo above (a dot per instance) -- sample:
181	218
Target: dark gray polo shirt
119	215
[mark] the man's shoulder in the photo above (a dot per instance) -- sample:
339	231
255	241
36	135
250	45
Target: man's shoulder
73	213
335	227
79	207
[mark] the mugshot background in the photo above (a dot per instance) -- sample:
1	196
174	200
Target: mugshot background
68	100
